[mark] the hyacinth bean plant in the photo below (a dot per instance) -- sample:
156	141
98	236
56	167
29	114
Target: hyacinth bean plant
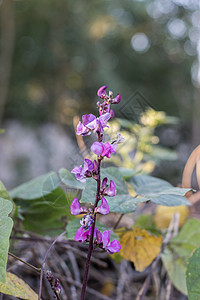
88	231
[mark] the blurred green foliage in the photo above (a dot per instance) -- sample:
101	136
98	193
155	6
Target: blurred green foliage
64	50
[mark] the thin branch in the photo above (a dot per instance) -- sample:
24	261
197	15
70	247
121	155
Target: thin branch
24	262
118	221
43	264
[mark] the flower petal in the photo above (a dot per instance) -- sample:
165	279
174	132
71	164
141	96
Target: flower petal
103	208
97	148
113	247
102	91
75	207
111	191
106	238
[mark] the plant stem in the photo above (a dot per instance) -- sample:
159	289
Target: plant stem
100	137
24	262
43	264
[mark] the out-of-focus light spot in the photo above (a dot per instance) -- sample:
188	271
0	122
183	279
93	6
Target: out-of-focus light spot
158	8
140	42
36	93
101	26
189	4
123	17
177	28
194	35
195	18
189	49
195	74
153	10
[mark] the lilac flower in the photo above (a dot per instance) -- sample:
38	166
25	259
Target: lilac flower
103	208
108	191
103	149
110	247
84	235
117	99
87	221
90	122
86	171
102	92
76	209
108	98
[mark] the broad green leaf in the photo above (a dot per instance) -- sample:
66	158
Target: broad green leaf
193	276
74	225
176	255
69	180
6	225
36	188
126	173
113	174
121	203
145	185
3	192
48	214
159	191
16	287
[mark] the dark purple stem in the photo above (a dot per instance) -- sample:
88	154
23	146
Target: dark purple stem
87	266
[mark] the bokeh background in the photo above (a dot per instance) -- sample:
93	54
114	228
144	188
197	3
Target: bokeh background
54	55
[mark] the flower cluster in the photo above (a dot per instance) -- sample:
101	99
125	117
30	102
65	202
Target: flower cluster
90	124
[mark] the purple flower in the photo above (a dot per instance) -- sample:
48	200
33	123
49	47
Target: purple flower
82	173
117	99
103	208
102	92
76	209
110	247
87	221
108	191
103	149
84	235
90	122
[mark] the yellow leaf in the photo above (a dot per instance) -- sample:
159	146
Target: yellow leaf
140	247
16	287
164	215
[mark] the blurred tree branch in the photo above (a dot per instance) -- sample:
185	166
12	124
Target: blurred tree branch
7	47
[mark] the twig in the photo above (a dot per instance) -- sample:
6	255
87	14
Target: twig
24	262
122	280
43	264
118	221
74	265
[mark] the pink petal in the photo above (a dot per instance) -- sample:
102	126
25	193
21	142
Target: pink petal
106	238
103	208
86	119
97	148
117	99
111	191
113	247
75	207
102	91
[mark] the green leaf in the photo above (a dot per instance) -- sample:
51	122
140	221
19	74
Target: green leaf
48	214
16	287
3	192
6	225
126	173
122	204
74	225
193	276
159	191
176	255
36	188
69	180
